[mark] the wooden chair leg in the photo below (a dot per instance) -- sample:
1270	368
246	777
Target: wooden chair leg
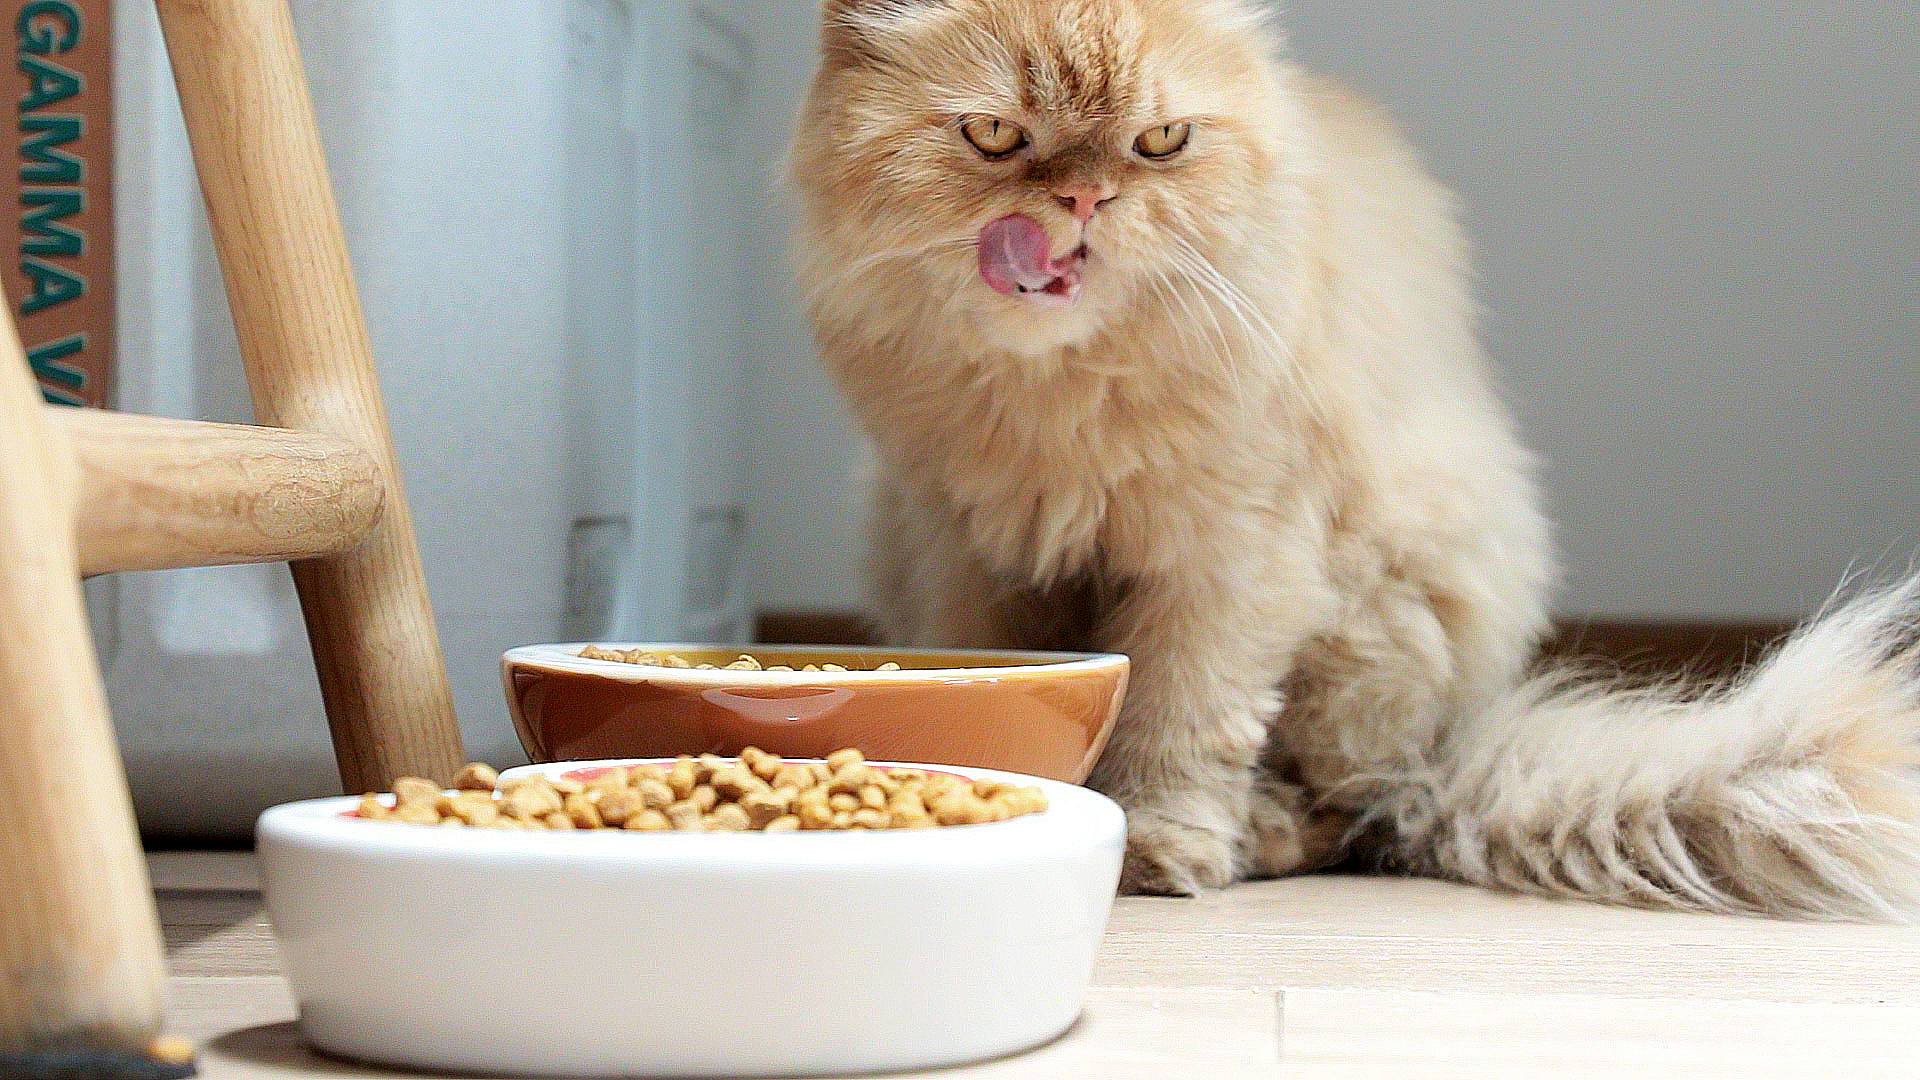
304	341
82	974
81	967
157	493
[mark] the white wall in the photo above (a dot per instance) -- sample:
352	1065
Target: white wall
802	507
1696	230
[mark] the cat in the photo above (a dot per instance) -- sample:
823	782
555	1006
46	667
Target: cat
1165	347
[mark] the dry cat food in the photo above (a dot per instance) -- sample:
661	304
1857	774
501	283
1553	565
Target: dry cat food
747	662
758	791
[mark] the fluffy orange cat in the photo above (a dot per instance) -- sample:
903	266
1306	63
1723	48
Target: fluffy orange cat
1165	348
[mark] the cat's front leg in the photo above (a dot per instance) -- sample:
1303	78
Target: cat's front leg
1182	760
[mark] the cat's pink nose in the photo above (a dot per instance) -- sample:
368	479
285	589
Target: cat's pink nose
1085	198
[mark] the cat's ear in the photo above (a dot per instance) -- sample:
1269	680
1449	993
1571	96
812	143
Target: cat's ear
875	9
856	25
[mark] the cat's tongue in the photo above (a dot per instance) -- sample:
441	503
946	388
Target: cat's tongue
1016	257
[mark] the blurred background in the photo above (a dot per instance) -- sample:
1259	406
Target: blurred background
1696	238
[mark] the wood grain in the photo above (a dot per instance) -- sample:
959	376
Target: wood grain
80	961
1333	978
1486	1035
157	493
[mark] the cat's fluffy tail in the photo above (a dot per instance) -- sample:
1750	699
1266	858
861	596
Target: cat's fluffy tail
1795	792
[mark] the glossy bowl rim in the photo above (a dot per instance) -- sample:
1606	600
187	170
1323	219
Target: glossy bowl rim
1071	807
556	656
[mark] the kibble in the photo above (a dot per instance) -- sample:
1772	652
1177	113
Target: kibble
758	792
745	662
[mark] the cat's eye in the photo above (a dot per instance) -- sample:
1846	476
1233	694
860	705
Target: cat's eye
992	136
1162	142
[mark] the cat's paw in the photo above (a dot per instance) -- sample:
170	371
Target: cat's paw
1289	836
1167	858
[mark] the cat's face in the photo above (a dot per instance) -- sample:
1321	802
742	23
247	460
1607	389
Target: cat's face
1040	167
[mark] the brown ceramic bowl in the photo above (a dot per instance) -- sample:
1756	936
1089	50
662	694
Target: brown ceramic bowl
1039	713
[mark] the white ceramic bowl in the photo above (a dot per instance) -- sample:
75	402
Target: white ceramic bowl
676	954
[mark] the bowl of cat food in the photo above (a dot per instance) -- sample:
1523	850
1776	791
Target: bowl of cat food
1039	713
709	916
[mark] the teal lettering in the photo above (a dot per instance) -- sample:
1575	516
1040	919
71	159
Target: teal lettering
47	366
52	286
40	233
53	166
49	26
47	83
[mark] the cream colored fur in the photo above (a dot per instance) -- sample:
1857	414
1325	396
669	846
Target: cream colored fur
1262	455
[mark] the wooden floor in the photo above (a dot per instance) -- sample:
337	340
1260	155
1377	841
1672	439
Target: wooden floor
1328	978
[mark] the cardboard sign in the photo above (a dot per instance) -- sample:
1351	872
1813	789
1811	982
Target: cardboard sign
61	289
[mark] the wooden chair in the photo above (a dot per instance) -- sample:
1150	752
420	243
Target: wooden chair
82	972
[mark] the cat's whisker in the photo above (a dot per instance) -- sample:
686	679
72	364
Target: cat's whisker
845	276
1199	292
1253	320
1257	335
1202	320
1169	285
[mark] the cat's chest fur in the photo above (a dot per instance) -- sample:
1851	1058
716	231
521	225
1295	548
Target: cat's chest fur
1081	459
